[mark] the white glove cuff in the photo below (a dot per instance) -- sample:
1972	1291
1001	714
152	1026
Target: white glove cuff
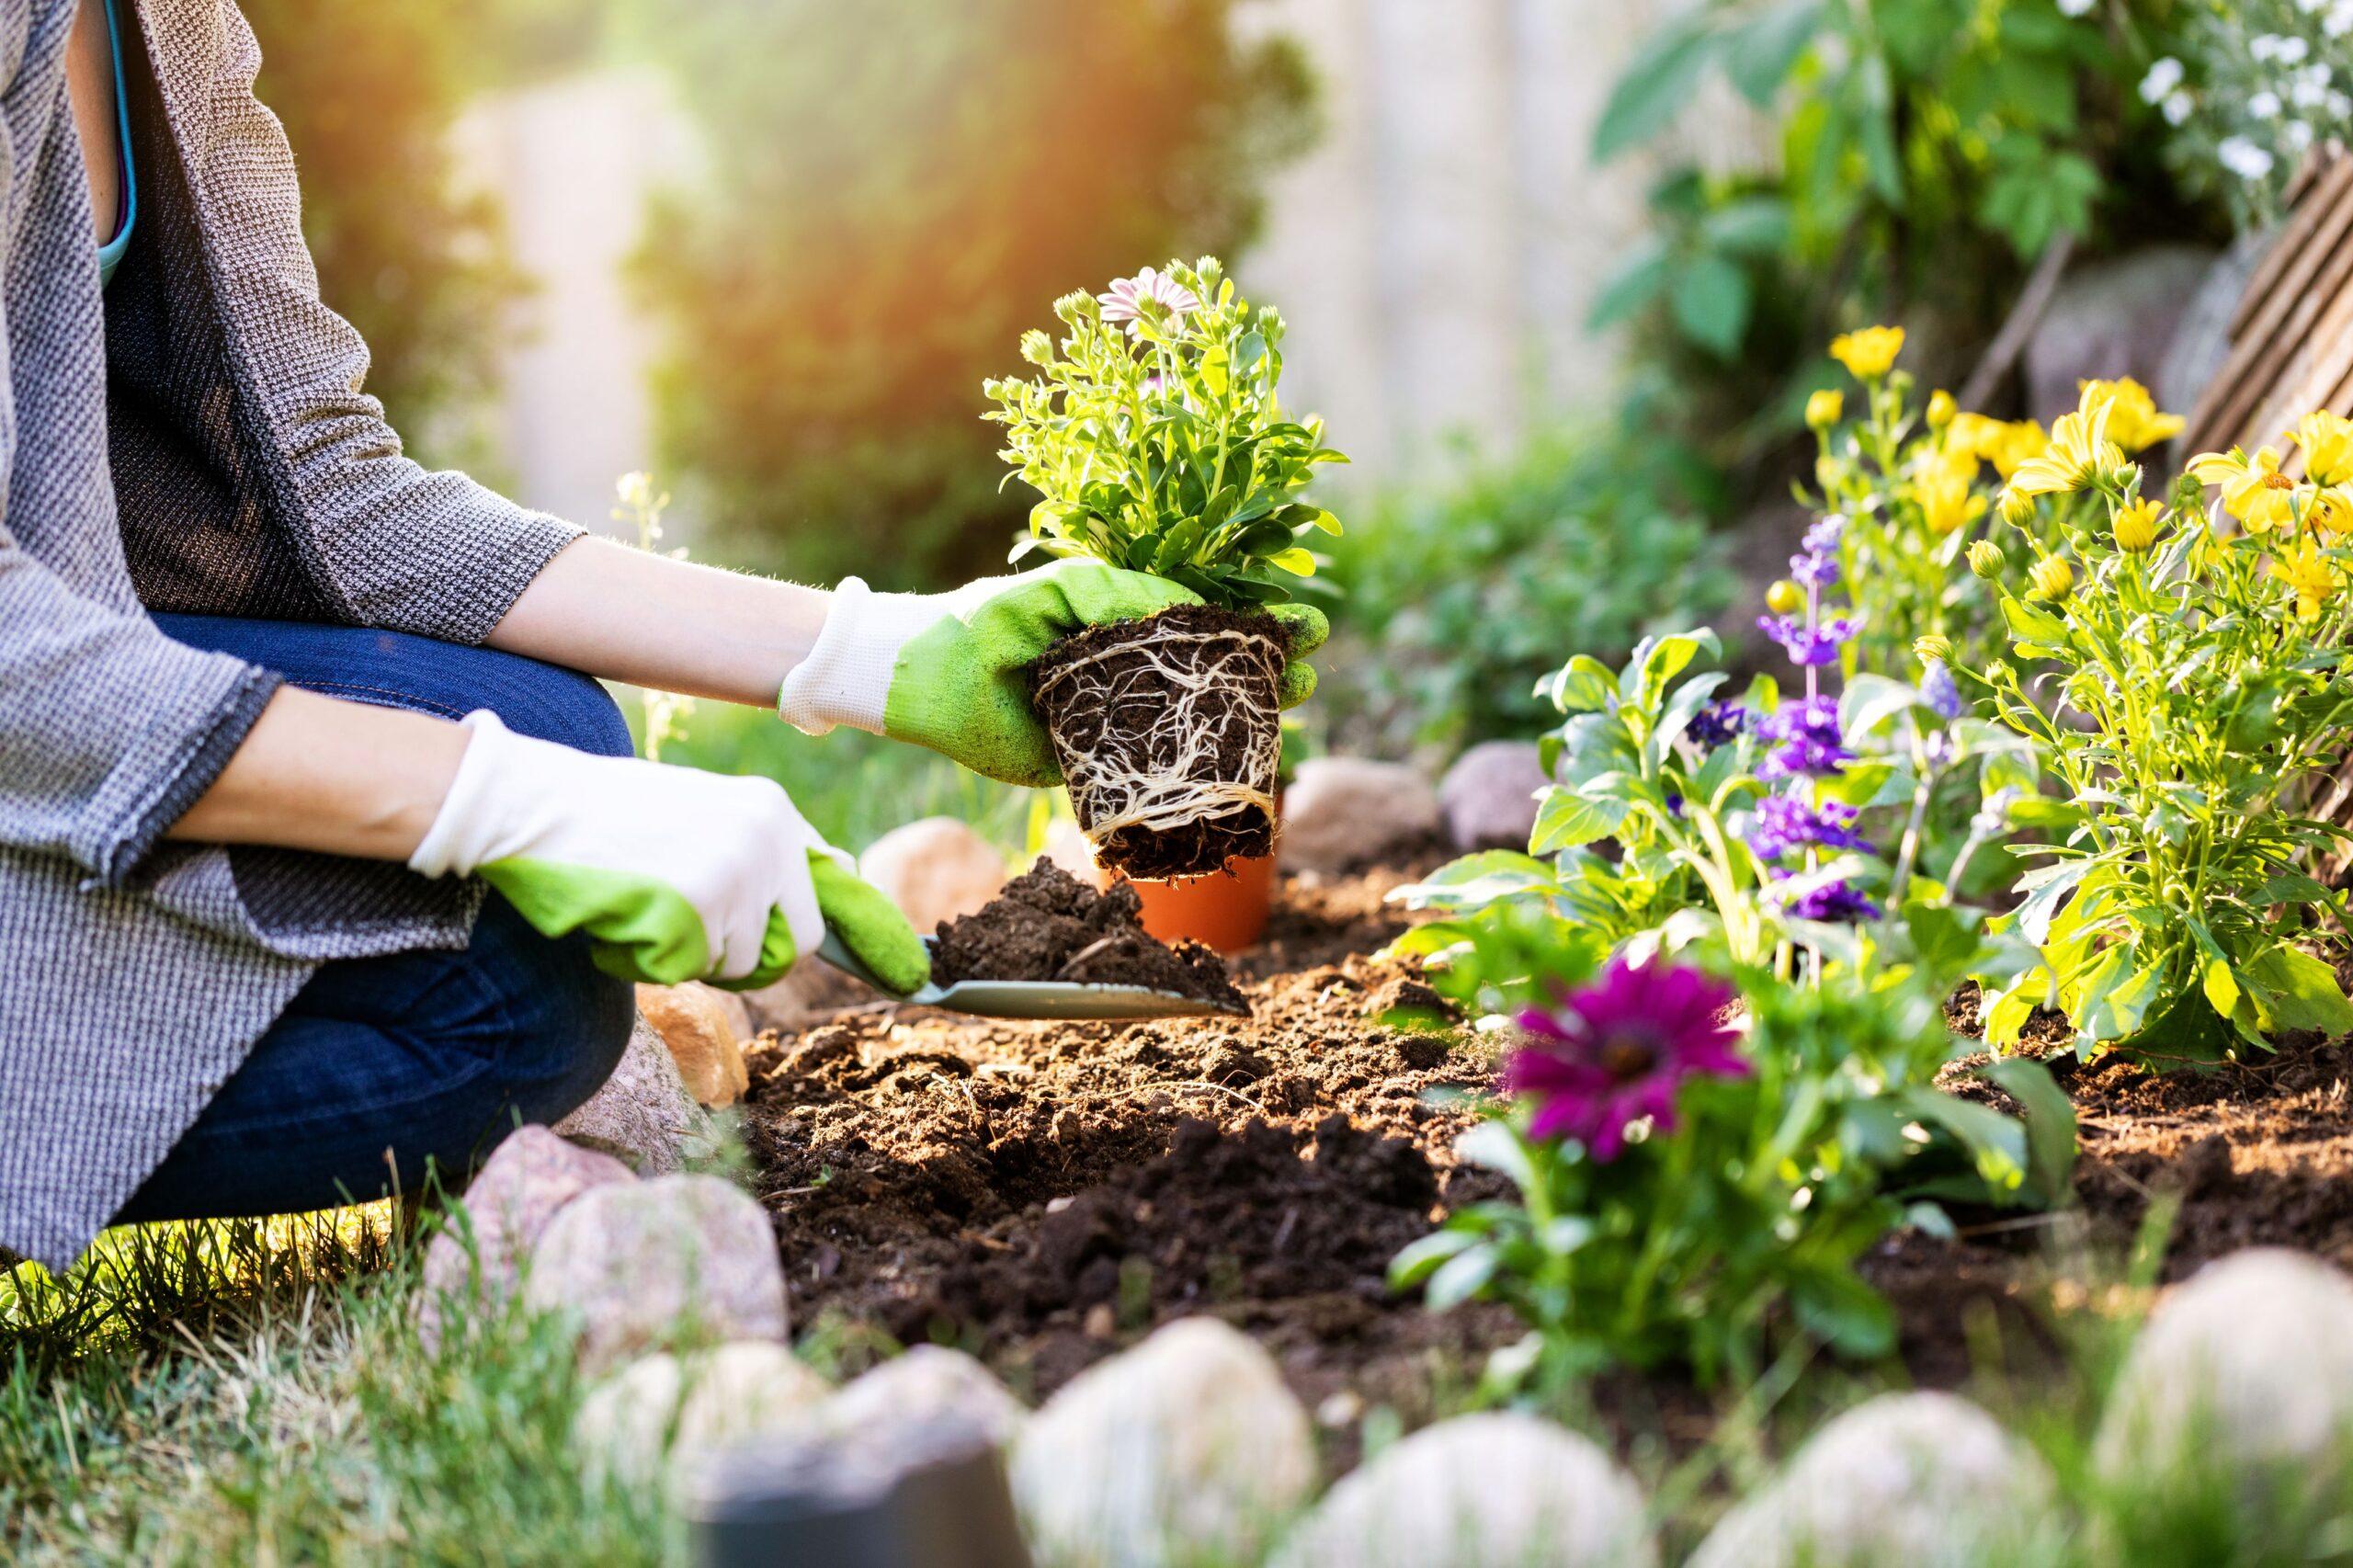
845	680
454	844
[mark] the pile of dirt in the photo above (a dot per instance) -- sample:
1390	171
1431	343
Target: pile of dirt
1047	925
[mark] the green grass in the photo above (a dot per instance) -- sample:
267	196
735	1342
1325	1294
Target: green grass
852	786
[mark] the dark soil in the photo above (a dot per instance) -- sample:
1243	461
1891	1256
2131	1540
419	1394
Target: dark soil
1044	1194
1047	925
1126	710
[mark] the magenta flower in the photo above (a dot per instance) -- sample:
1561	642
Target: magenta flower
1617	1050
1125	301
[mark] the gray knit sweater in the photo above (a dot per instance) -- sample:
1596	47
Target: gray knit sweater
195	439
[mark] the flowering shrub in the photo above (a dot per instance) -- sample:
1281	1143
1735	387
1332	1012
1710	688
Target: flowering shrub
2257	84
1155	436
2196	675
1687	1180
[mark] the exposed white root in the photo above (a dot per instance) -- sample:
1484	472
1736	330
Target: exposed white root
1146	756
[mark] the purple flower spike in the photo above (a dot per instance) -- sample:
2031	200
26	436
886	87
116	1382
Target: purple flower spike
1836	904
1808	742
1807	645
1943	693
1716	725
1616	1052
1784	822
1824	537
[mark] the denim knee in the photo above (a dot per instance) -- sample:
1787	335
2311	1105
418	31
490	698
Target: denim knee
550	704
567	1021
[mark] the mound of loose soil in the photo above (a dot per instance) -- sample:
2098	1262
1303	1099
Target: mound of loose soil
1044	1194
1047	925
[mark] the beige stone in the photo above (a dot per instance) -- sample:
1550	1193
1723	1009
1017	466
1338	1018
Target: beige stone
934	870
507	1207
1344	811
706	1037
643	1264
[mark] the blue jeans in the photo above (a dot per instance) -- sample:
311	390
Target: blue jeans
382	1065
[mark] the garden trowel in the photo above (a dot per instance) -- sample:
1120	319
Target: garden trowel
1061	999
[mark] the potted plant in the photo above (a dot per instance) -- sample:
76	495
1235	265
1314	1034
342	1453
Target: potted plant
1154	438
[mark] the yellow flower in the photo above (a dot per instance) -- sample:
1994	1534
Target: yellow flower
2080	450
2004	443
2331	510
2134	421
2254	490
1985	558
1941	410
1948	503
1785	598
2051	578
2136	526
2015	505
1824	408
1934	648
1868	353
2311	576
2328	441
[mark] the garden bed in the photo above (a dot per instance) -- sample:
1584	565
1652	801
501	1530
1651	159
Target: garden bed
1043	1193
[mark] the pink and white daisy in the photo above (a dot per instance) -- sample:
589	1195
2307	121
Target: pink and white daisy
1124	302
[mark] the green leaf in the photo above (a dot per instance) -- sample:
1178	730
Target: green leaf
1654	88
2030	623
1844	1313
1748	225
1420	1260
1759	57
1565	819
1461	1276
2299	992
1637	281
1295	561
1712	297
1496	1146
2046	889
2049	1126
1584	685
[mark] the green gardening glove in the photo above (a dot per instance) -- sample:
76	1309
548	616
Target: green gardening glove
672	874
951	670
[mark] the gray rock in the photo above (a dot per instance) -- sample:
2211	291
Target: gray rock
647	1262
926	1383
1925	1479
2247	1370
1489	795
643	1113
507	1207
2111	319
1475	1491
1342	811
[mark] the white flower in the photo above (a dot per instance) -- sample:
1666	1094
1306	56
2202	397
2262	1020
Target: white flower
2295	136
1123	303
2264	105
2339	20
2310	88
2178	108
2340	104
2310	7
2292	50
2262	45
2243	158
2077	7
2163	78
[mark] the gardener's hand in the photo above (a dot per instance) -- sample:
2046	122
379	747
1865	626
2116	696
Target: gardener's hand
951	670
674	875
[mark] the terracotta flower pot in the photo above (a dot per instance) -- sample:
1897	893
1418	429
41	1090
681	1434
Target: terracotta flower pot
1225	911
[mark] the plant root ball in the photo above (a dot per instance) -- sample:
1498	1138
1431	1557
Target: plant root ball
2246	1370
1169	732
1476	1491
1922	1479
1187	1449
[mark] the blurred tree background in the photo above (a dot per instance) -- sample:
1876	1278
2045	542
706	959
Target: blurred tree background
897	190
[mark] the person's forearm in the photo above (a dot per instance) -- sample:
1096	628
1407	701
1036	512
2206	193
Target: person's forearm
315	773
630	616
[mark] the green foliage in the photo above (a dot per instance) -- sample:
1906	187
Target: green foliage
368	93
1465	591
1698	1240
2255	86
2192	683
1928	151
896	189
1161	445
